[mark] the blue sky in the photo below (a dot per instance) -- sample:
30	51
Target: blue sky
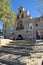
29	5
0	25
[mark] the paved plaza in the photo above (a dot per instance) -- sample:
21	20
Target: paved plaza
22	53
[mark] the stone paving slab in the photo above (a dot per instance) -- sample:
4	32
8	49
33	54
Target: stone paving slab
8	56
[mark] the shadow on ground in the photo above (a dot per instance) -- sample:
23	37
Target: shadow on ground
22	48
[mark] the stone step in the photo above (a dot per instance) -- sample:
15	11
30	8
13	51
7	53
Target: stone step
31	43
28	44
26	41
11	62
17	47
22	41
22	53
23	47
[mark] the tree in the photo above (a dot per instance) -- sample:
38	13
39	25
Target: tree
6	14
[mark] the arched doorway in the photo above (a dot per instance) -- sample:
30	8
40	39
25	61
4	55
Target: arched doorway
19	37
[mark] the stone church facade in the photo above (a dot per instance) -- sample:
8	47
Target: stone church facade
26	25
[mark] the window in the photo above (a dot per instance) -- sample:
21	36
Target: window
22	15
20	26
36	24
20	11
30	26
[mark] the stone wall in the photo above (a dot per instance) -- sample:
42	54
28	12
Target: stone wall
26	21
37	25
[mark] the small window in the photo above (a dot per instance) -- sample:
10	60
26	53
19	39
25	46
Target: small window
30	27
20	11
26	31
20	26
36	24
22	15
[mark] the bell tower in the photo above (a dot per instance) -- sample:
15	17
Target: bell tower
20	17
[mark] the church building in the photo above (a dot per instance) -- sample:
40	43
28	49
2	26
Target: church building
26	25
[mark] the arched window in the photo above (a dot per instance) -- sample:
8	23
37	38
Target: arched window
20	25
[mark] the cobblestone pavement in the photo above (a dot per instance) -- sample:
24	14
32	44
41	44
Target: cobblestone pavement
22	53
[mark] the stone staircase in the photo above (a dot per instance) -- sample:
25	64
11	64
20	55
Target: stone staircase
11	53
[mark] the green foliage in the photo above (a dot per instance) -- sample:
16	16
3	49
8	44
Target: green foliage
6	14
